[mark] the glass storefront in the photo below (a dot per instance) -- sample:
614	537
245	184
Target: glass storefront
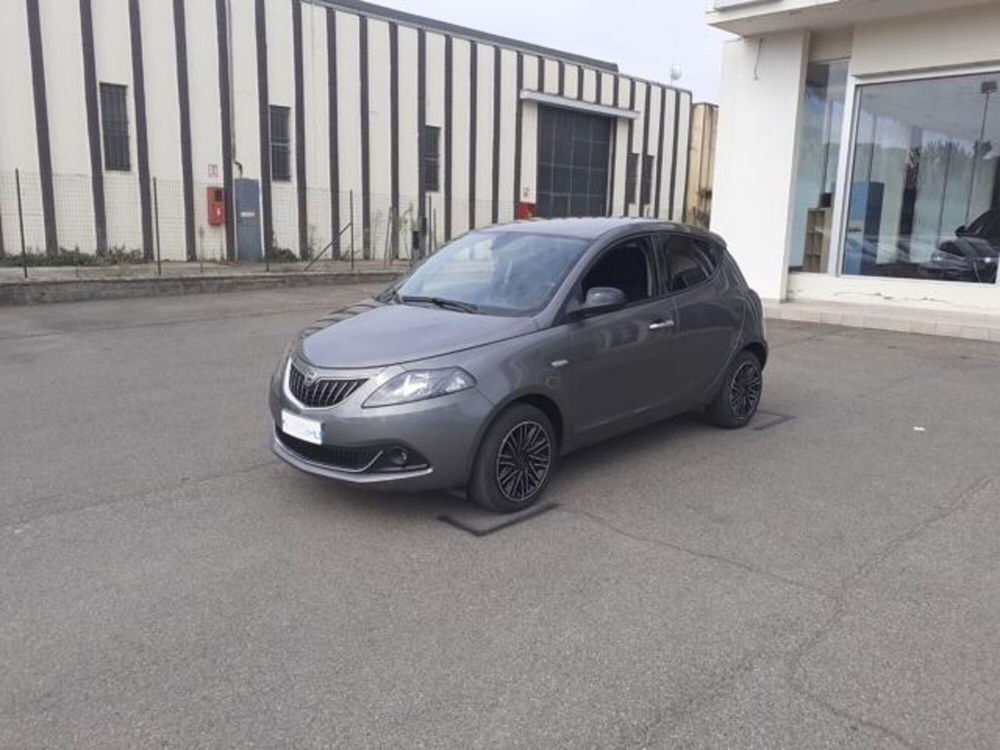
924	198
819	151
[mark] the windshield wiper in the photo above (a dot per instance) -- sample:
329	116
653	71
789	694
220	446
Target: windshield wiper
447	304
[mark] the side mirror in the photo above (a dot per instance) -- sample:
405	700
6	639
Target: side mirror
960	232
602	299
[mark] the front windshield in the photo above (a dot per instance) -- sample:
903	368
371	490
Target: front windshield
494	272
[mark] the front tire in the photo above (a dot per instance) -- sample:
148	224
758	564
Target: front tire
515	460
737	401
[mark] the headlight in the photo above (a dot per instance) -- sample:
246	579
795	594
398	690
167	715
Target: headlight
417	385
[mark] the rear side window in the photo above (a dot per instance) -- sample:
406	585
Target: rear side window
686	262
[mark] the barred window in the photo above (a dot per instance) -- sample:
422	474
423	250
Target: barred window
114	124
631	168
432	158
646	189
281	144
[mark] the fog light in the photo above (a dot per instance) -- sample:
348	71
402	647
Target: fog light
398	456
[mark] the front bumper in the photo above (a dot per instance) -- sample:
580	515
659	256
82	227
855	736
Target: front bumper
443	430
367	479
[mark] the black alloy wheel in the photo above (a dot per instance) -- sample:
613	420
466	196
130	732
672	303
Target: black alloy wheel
515	461
745	390
523	461
738	398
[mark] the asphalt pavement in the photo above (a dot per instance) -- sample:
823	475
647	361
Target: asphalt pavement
827	578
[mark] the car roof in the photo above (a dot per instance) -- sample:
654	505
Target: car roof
591	228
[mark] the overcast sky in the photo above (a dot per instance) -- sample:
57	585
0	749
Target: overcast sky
645	37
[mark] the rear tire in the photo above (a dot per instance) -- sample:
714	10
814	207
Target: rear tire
515	460
739	397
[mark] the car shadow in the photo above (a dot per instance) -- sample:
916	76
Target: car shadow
417	506
659	435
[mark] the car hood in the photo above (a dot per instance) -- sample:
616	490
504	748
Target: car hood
373	334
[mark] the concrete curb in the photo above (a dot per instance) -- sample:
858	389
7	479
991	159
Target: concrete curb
80	290
925	321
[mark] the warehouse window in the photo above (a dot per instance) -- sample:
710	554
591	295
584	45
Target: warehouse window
114	123
631	167
646	189
281	144
432	158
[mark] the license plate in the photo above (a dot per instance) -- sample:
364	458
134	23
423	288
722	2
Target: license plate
308	430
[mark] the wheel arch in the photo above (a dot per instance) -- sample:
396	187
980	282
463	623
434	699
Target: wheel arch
759	350
547	403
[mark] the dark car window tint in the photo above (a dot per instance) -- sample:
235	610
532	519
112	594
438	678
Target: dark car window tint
625	267
686	262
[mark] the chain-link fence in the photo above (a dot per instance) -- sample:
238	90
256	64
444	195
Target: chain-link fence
110	227
86	226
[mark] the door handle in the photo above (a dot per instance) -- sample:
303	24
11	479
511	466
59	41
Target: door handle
659	325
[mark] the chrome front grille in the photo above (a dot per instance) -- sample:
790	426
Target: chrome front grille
319	392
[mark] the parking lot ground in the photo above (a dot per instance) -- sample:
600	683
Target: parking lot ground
828	578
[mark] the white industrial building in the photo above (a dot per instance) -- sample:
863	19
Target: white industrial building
232	125
858	154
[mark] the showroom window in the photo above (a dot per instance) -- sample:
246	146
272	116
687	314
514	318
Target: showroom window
819	150
925	195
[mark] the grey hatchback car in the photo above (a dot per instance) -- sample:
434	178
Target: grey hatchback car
514	345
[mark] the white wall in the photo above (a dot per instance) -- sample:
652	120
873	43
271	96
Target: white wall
669	125
460	88
315	77
163	125
70	139
653	147
607	89
484	136
551	76
206	121
683	152
409	168
281	93
508	119
961	37
349	125
755	159
18	142
379	133
246	121
589	85
69	143
435	116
